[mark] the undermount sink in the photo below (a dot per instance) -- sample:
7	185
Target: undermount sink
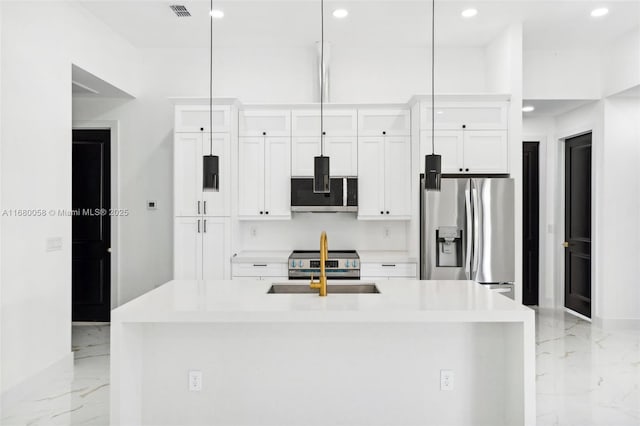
369	288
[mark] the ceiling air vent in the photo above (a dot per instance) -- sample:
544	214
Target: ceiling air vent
180	10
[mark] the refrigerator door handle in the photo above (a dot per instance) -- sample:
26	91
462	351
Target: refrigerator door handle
469	236
477	212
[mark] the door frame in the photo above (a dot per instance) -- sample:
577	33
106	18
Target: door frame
560	220
113	127
539	218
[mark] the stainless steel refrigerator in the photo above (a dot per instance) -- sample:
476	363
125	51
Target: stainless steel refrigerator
467	230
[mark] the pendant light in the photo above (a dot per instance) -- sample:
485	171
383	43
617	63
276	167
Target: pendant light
433	162
321	164
210	163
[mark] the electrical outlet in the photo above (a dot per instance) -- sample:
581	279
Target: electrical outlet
387	232
253	231
195	381
446	380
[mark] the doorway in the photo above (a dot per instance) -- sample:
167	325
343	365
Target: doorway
530	222
91	225
577	242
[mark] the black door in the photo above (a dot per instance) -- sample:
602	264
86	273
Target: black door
531	222
577	285
91	228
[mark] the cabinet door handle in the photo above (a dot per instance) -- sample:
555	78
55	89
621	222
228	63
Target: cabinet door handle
389	265
205	225
263	265
387	212
198	207
205	208
198	226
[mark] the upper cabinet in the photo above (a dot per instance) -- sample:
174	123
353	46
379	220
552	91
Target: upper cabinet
381	122
264	122
195	118
306	122
264	178
191	196
384	179
465	115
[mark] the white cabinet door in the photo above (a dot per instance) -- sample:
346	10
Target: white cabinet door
218	203
371	186
486	151
336	122
343	154
215	248
449	144
251	177
265	122
303	149
466	115
195	118
187	248
390	122
277	178
188	174
397	171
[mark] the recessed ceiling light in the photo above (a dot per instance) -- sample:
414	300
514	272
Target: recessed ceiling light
469	13
340	13
528	108
601	11
217	13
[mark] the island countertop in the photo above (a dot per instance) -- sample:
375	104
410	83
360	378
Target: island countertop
247	301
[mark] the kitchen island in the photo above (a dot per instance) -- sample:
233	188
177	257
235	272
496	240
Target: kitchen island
344	359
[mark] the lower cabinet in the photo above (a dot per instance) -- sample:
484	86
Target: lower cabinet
261	271
393	271
201	248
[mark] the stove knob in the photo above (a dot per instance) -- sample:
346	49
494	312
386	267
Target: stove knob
354	264
347	263
293	263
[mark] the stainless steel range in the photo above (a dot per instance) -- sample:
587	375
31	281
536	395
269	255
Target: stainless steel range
341	264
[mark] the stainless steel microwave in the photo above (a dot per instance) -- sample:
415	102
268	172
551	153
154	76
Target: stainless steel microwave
343	195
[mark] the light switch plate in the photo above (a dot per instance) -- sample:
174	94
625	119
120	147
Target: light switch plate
54	244
446	380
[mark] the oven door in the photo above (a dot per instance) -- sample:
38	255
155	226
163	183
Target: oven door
303	199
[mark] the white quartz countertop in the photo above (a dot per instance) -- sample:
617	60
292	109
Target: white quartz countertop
247	301
366	256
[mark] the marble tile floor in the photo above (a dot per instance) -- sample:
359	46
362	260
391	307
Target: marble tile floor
585	377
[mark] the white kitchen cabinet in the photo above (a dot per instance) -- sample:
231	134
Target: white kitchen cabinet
384	179
486	151
264	179
190	198
201	248
389	270
390	122
261	270
306	122
342	151
468	151
477	115
264	122
195	118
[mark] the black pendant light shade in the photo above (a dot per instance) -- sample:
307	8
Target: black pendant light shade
432	172
321	175
210	172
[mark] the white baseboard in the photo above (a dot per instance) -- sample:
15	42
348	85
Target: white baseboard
618	323
61	368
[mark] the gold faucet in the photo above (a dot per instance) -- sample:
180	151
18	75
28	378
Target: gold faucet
321	284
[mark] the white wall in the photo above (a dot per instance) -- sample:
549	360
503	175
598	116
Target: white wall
40	41
620	223
562	74
260	75
621	63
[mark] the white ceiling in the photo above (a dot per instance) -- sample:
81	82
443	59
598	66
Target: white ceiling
553	108
547	24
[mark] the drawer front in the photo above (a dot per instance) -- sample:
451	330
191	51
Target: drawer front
384	122
336	123
389	270
195	118
260	269
265	123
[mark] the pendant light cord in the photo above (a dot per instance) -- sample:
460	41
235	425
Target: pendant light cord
211	78
322	78
433	72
